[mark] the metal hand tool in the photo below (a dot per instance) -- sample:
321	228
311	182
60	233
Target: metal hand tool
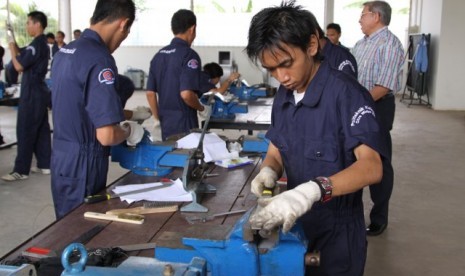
98	198
192	219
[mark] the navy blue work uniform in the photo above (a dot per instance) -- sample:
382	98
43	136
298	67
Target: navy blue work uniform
205	83
317	137
84	98
340	58
33	129
175	68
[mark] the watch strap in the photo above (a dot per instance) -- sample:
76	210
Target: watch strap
326	187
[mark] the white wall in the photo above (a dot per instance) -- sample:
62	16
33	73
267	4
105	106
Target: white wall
449	82
430	22
140	57
445	21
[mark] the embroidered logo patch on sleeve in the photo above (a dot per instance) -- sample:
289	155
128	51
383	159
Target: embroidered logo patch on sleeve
106	76
193	63
346	63
362	111
33	50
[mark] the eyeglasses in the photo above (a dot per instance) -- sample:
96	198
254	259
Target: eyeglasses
363	13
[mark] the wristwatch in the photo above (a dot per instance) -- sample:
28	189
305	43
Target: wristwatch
326	188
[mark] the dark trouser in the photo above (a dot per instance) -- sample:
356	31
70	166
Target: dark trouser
381	193
341	241
33	134
78	170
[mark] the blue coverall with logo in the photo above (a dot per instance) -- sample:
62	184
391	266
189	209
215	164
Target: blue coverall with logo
340	58
33	129
84	98
317	137
175	68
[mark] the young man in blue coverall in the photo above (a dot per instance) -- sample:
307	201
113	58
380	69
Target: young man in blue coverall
32	128
87	108
210	77
323	134
174	76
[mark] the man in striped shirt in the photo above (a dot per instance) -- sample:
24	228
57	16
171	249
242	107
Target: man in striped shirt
380	57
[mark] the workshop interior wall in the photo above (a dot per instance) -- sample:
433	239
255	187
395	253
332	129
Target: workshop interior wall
449	89
139	58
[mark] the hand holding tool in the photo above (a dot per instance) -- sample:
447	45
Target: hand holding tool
266	178
98	198
285	208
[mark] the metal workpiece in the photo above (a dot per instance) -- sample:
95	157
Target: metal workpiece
194	219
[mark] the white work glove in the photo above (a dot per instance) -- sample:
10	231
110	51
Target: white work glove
136	132
266	178
141	113
285	208
156	130
205	112
10	35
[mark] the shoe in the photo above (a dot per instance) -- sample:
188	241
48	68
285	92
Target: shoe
13	176
376	229
39	170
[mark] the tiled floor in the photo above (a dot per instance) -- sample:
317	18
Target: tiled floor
426	233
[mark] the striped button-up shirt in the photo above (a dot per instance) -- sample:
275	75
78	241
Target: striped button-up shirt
380	58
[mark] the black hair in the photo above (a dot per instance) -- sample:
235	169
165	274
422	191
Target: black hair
273	27
38	16
335	27
76	31
50	35
125	88
111	10
213	69
182	20
62	33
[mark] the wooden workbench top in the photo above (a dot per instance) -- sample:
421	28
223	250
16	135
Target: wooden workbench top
233	186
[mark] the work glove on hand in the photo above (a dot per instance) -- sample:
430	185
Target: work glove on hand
10	35
205	112
136	132
266	178
285	208
141	113
156	131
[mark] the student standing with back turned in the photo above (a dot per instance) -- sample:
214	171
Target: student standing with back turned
87	108
174	77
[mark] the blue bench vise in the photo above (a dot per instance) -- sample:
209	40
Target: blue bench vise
150	158
225	106
140	266
160	158
240	251
247	93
